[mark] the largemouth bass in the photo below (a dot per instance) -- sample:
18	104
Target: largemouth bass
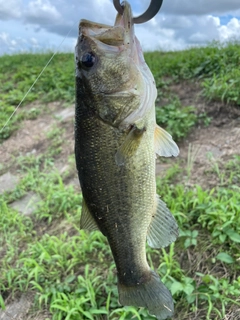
116	142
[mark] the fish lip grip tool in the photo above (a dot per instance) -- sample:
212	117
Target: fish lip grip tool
151	11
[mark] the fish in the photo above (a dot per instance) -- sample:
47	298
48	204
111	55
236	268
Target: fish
116	143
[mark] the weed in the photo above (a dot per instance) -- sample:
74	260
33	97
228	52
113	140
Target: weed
176	119
192	154
18	74
215	66
224	87
67	270
204	118
191	237
72	272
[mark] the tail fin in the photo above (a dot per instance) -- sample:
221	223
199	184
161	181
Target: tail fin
152	294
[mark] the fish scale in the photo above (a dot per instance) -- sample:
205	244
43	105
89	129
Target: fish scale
133	185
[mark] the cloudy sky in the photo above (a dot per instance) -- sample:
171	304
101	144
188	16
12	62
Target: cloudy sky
40	25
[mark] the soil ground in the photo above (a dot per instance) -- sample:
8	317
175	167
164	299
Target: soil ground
204	147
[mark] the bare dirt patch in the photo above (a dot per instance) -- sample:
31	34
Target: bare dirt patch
206	145
30	138
218	142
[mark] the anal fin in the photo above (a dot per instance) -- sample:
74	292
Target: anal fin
164	144
163	228
87	221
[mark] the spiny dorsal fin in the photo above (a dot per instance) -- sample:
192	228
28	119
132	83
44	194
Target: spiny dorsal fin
86	221
164	144
163	228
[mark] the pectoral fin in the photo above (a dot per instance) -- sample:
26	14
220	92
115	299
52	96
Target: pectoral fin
163	228
130	144
164	144
86	221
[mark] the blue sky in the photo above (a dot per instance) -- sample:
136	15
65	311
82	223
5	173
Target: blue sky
40	25
225	19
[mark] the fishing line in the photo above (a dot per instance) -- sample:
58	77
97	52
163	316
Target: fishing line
35	81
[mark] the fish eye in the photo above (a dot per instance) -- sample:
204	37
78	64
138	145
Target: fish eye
88	60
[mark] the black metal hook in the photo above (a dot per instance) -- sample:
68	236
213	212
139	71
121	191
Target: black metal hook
151	11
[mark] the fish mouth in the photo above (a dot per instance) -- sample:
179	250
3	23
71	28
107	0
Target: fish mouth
111	38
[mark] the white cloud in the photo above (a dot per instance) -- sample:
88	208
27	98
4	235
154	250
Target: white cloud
13	42
21	38
59	16
178	32
7	44
10	9
177	26
159	40
41	12
34	41
203	29
198	37
176	22
230	31
3	37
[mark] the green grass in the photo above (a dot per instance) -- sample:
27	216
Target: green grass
70	272
215	66
18	73
201	62
176	119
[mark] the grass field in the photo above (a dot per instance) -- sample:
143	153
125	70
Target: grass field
69	274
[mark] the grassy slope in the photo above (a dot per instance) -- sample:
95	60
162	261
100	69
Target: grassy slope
72	272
